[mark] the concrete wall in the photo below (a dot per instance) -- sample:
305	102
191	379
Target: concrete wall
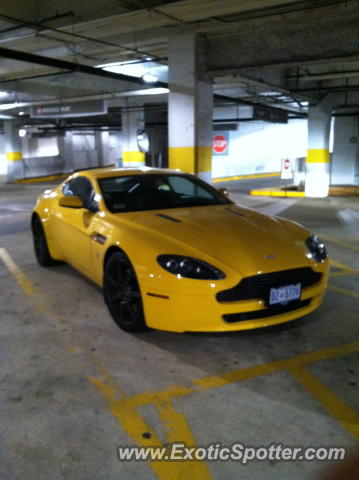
73	150
258	147
345	158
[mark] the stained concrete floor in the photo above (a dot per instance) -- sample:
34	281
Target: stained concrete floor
74	387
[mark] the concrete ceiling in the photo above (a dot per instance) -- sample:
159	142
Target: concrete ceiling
284	53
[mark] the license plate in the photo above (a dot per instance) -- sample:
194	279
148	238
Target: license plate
284	294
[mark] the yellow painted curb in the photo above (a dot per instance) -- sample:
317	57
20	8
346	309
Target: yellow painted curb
276	193
344	190
42	179
245	177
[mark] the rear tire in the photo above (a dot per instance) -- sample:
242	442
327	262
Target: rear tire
40	244
122	294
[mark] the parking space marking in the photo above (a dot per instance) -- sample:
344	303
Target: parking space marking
234	376
344	269
177	430
339	242
343	273
343	290
346	416
41	306
126	415
342	266
22	279
125	408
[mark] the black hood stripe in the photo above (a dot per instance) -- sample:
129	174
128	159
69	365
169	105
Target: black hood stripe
235	212
167	217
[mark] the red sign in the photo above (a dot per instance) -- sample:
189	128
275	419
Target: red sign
219	143
287	169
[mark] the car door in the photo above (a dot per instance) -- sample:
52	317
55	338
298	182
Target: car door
75	226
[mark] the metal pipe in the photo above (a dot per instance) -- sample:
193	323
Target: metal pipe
325	76
73	67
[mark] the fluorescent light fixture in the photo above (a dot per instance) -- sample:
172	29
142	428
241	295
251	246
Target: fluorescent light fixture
9	106
3	94
106	66
149	78
22	132
144	91
270	93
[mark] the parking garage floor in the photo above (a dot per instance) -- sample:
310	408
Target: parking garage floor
74	386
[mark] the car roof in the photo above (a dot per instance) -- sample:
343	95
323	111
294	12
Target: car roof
107	172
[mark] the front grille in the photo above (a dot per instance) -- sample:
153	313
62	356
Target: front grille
258	286
268	312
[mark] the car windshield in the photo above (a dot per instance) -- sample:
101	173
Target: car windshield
157	191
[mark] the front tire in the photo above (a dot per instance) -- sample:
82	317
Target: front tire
41	248
122	294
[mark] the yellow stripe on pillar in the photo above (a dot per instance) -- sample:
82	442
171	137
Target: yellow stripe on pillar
318	155
133	157
190	159
13	156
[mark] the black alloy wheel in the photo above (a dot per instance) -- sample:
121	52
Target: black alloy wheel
40	244
122	294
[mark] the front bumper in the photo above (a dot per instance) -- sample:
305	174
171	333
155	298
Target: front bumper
179	312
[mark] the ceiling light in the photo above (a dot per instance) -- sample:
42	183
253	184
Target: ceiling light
22	132
3	94
149	78
21	113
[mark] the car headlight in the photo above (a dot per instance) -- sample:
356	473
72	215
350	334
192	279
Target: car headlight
316	248
189	267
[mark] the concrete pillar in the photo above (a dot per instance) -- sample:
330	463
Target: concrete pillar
102	147
318	158
190	106
64	144
13	150
132	120
346	151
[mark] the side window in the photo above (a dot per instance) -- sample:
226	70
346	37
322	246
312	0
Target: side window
185	187
66	189
81	187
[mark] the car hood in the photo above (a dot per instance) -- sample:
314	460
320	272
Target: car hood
246	240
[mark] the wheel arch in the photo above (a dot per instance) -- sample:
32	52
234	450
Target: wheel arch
110	251
34	215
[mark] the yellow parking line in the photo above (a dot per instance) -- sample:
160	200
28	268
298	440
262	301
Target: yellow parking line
342	273
175	425
344	269
245	177
347	417
125	411
22	280
340	265
234	376
343	290
126	415
42	307
342	244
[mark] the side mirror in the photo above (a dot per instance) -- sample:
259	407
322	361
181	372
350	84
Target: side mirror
223	191
71	201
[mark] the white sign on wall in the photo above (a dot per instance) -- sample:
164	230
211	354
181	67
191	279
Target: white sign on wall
286	169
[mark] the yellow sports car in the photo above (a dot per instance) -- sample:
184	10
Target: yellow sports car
173	253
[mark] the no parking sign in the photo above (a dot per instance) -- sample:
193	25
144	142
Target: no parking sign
287	169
